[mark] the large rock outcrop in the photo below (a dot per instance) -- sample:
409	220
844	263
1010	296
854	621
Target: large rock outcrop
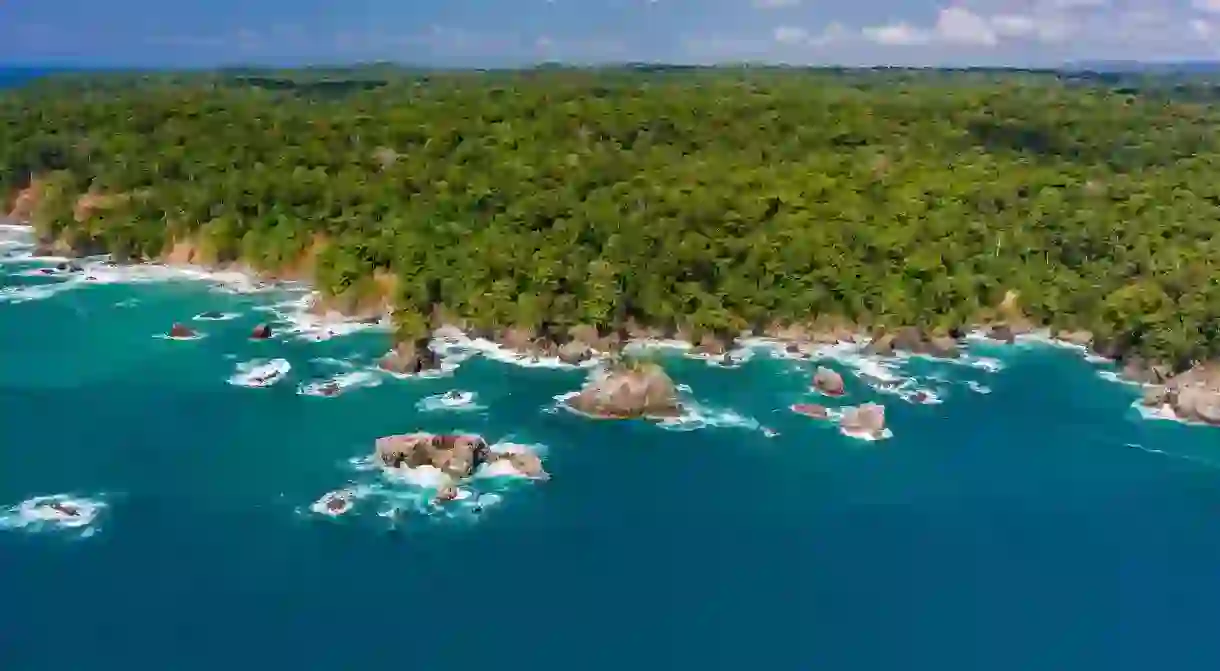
1193	395
711	345
868	419
914	341
523	461
1080	338
409	358
575	352
828	382
628	390
457	456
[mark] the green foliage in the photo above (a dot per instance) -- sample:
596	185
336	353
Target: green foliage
703	200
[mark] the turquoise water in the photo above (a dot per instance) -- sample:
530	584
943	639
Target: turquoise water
1043	525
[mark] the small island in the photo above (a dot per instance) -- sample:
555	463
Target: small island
628	388
566	212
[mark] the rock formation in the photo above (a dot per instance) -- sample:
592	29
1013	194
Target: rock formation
867	419
627	390
811	410
1193	395
575	352
523	461
457	456
409	358
1137	369
181	331
828	382
261	332
914	341
710	345
1081	338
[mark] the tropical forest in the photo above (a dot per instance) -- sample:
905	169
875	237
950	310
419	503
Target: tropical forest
688	200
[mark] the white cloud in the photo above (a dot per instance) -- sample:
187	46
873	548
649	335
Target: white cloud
796	36
1201	28
1014	25
776	4
897	34
1078	4
957	25
1207	6
791	35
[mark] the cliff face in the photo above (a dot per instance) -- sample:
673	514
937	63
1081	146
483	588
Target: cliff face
22	205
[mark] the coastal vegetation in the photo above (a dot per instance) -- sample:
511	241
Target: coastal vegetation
693	202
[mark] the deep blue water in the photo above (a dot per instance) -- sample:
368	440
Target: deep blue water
1044	525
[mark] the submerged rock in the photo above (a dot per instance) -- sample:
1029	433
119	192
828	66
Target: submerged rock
65	509
330	389
629	390
211	314
261	332
868	419
811	410
828	382
408	358
181	331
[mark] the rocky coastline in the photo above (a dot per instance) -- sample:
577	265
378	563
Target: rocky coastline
1190	392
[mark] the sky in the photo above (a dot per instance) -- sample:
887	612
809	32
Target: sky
497	33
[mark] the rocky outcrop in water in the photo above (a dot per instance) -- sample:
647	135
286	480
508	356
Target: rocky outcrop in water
457	456
1139	370
628	390
181	331
575	352
711	345
261	332
409	358
1193	395
812	410
868	419
914	341
828	382
523	461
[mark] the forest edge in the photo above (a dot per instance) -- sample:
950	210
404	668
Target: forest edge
1192	392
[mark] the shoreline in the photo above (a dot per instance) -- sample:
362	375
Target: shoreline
823	339
802	339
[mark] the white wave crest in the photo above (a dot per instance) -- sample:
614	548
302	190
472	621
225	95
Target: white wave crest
260	372
450	400
340	383
54	512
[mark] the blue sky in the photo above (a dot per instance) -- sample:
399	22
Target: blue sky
516	32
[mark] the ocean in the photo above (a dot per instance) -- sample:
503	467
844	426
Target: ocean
1032	518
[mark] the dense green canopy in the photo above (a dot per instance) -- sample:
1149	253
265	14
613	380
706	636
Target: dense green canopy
702	199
